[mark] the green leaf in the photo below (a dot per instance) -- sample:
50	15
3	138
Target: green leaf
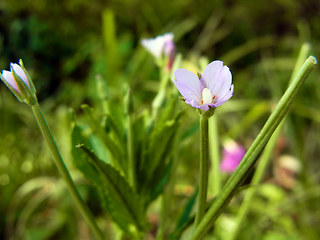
115	128
122	203
153	168
116	151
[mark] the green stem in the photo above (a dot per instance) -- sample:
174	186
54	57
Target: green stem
204	168
252	154
214	153
64	172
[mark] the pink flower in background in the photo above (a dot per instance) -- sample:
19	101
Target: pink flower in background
161	45
232	156
213	88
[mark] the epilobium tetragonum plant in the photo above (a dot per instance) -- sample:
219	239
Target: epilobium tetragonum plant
206	92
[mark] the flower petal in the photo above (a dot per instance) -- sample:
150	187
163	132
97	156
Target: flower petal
188	85
204	107
8	77
192	103
210	74
19	71
224	83
226	97
217	78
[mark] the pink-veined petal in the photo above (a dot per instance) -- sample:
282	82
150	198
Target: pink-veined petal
8	77
188	85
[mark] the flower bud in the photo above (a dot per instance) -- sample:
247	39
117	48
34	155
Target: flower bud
19	83
162	48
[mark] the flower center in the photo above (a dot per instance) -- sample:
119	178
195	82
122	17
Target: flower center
207	97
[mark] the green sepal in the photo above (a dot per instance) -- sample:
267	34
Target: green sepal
208	113
32	87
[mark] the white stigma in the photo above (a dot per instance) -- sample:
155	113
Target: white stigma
206	96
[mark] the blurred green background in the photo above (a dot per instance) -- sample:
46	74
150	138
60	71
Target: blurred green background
65	44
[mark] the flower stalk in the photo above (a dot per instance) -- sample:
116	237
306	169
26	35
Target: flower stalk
204	168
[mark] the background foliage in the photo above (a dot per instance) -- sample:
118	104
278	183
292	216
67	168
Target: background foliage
65	44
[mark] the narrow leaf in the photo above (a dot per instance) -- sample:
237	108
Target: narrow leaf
126	208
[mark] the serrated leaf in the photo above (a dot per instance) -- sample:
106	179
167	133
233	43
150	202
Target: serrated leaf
124	205
116	151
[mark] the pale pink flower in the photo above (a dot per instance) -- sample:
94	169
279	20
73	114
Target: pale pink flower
213	88
232	156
